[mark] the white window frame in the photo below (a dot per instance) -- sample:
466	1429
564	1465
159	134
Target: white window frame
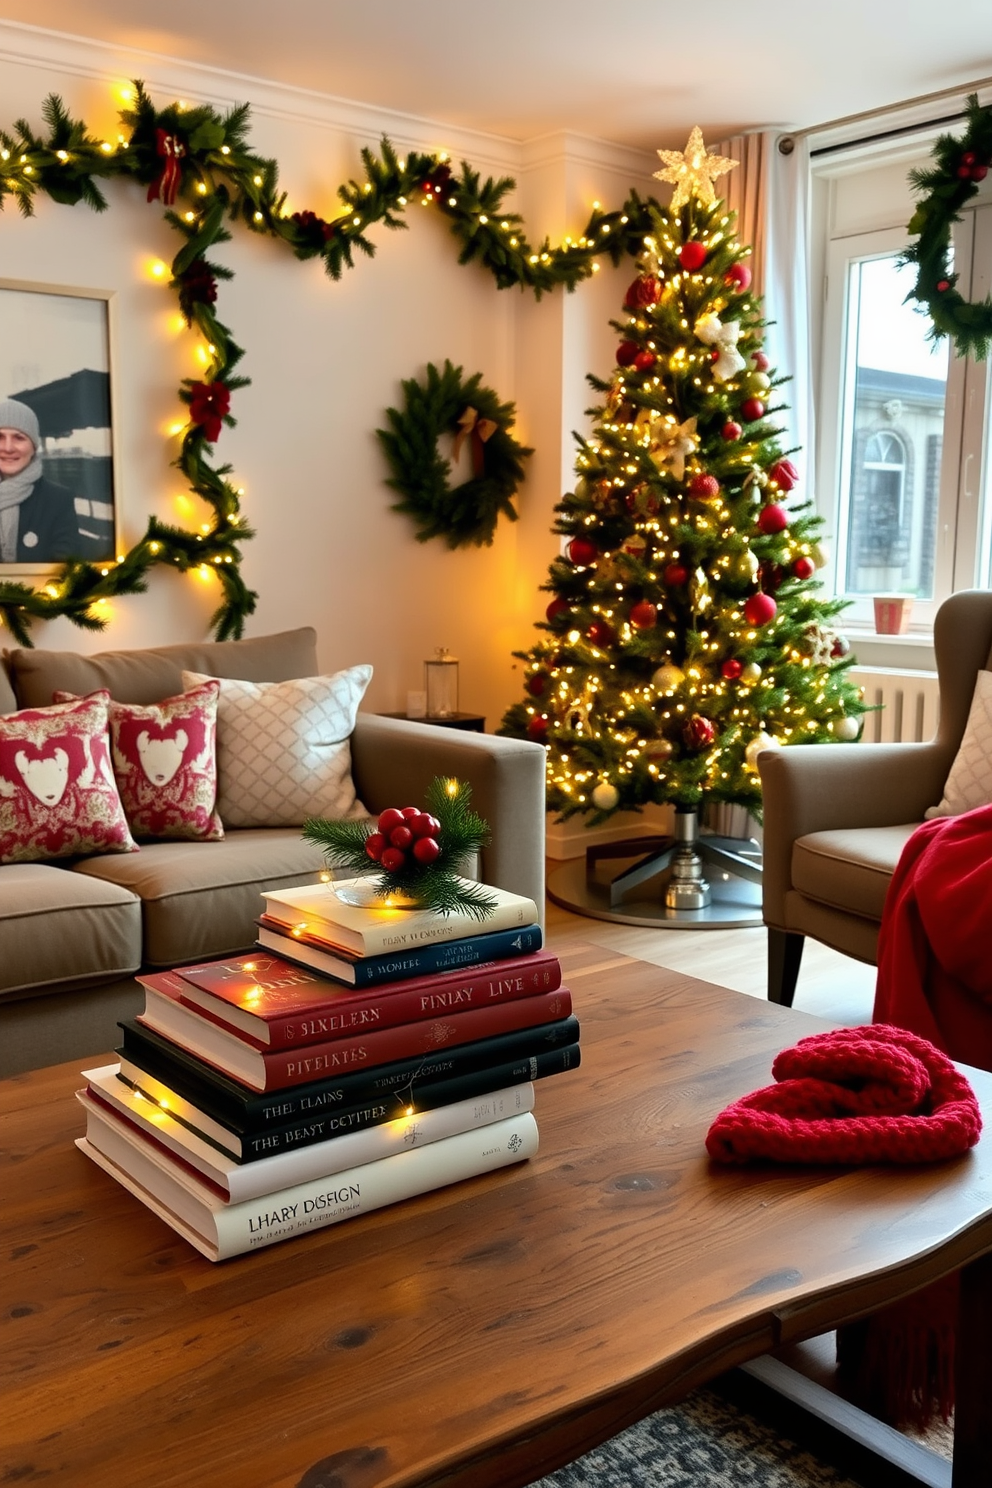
963	554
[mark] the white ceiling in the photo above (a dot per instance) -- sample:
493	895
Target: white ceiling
640	73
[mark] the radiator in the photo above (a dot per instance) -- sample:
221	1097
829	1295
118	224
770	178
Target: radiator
907	702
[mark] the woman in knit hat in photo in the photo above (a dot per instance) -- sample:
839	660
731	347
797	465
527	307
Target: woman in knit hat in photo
37	517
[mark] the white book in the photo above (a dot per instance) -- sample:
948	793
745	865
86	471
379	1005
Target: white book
243	1181
220	1230
373	929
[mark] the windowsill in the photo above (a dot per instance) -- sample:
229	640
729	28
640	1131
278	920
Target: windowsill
908	638
912	652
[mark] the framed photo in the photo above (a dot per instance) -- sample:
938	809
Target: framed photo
57	492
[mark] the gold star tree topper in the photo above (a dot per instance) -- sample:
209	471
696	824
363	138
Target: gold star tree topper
693	170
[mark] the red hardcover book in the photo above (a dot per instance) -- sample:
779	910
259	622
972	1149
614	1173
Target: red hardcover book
201	1034
277	1004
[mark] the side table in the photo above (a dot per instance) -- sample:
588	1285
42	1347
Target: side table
473	722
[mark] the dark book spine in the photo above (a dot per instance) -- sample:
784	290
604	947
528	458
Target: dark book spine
421	1097
245	1111
495	945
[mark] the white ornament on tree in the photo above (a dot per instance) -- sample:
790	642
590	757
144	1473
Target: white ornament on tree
668	677
847	729
758	744
605	796
751	673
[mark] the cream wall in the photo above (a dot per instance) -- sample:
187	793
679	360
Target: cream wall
325	361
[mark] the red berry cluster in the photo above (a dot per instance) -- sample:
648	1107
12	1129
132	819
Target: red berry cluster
970	168
404	831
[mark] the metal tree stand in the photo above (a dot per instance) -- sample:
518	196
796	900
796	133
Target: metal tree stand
667	887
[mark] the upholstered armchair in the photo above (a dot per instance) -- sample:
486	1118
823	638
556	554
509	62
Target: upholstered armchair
837	815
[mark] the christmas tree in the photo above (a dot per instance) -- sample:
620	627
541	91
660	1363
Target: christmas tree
686	631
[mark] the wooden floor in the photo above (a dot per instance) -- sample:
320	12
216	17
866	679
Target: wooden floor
830	985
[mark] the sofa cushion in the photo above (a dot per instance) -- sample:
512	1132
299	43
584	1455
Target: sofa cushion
849	869
58	795
151	675
8	702
969	782
60	929
201	899
283	748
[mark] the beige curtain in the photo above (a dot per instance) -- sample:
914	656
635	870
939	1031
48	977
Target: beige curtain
745	191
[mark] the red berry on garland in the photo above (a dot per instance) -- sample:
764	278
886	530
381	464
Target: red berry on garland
731	431
426	850
536	684
601	633
759	609
675	575
388	819
374	844
752	409
692	255
393	859
424	825
643	293
731	669
644	361
761	362
626	352
738	276
557	608
581	551
979	172
784	474
704	487
772	519
400	836
804	567
943	284
537	728
698	732
964	172
643	615
969	157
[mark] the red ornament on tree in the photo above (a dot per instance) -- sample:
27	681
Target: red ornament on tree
643	293
675	575
537	728
581	551
761	362
784	474
731	669
704	487
601	633
738	276
770	576
626	352
698	732
643	615
772	519
537	684
731	431
804	567
557	608
752	409
759	609
692	255
644	361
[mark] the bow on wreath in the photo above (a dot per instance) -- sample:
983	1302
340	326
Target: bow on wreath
723	338
170	149
470	425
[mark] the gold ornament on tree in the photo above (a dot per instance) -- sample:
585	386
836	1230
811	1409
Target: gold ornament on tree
693	171
673	444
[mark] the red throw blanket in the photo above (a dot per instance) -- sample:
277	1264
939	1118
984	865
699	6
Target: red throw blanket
935	944
935	979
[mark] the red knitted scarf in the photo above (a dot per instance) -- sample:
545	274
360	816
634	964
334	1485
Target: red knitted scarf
874	1094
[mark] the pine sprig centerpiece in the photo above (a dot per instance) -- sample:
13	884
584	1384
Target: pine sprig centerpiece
418	852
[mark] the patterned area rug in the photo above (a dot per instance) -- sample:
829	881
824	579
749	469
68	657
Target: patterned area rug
703	1443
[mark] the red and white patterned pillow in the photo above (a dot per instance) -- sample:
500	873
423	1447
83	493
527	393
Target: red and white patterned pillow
58	796
165	760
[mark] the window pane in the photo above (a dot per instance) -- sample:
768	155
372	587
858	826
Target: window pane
894	413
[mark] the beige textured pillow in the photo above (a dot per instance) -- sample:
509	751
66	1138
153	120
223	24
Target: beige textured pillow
283	748
969	783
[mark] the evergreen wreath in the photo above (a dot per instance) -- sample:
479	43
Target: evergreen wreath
951	182
446	404
447	819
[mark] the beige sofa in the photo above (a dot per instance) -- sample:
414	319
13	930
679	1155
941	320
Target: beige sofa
74	932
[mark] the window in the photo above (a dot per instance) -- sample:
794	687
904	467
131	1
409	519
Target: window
902	459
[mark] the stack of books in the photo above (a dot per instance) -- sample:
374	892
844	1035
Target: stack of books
260	1097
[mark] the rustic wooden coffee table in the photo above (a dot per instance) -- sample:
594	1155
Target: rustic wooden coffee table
490	1332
